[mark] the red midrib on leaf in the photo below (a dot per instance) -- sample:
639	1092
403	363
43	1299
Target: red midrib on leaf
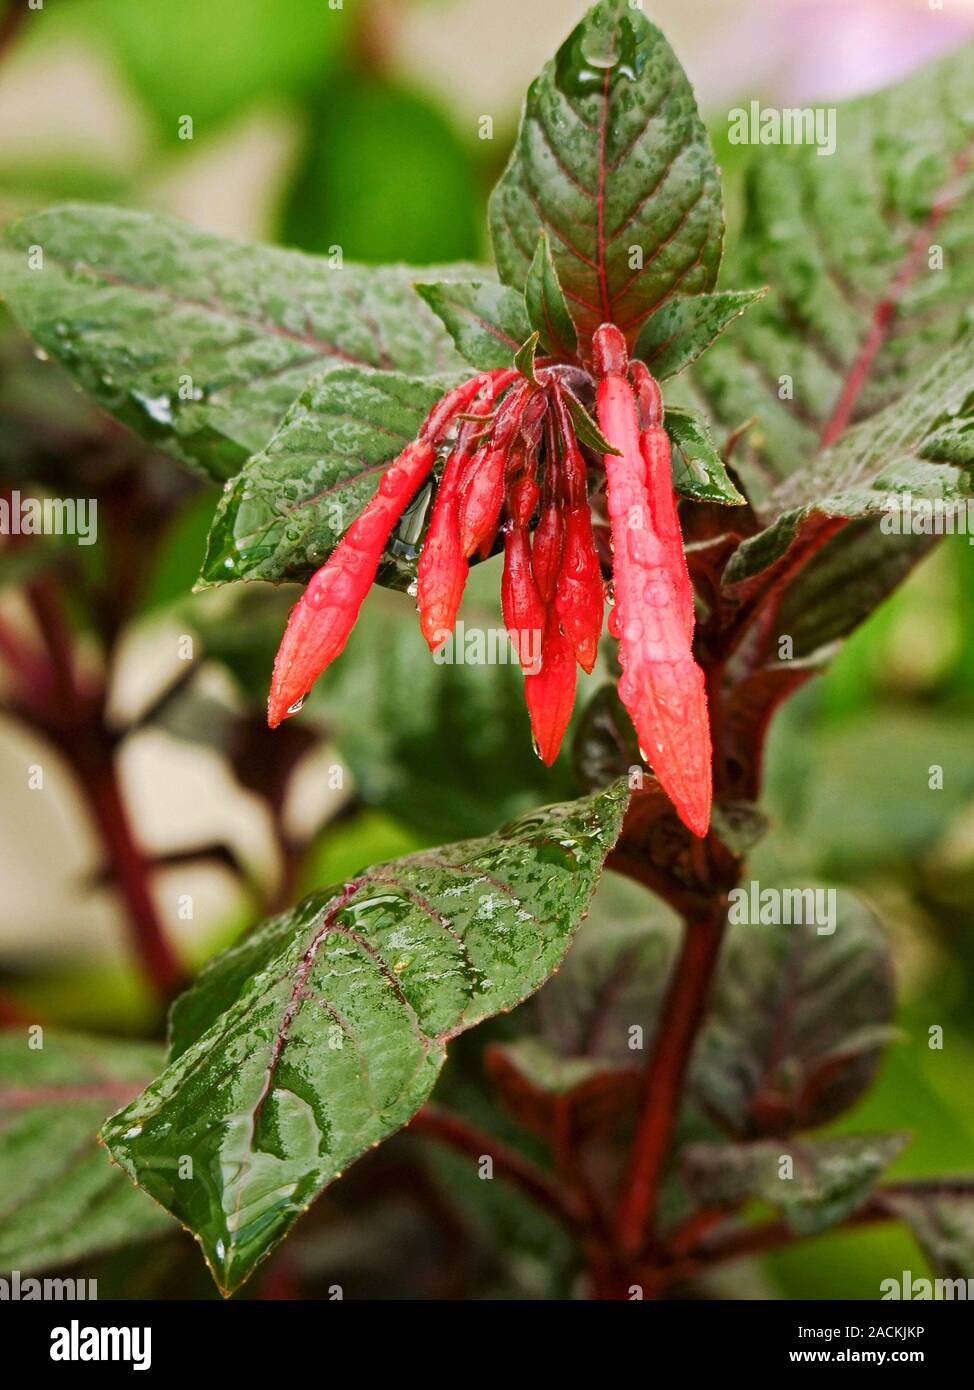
605	300
885	310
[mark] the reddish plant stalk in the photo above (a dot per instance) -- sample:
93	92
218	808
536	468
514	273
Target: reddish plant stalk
679	1022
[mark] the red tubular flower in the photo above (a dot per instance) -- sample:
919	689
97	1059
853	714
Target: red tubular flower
524	612
661	686
442	573
323	617
550	693
580	590
482	488
510	444
547	547
654	445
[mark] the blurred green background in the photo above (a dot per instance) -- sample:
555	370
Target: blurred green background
360	124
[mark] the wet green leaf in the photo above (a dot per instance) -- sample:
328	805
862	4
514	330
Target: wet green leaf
698	469
284	513
676	334
60	1197
487	322
840	241
613	162
323	1032
546	306
815	1184
199	343
880	466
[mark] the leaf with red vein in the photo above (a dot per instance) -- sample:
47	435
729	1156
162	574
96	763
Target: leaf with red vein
324	1031
613	162
247	326
61	1200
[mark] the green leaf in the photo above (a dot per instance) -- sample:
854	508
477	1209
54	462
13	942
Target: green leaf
698	469
199	343
286	510
826	1180
799	1020
525	355
943	1223
546	304
586	429
676	335
856	302
487	322
613	162
878	462
323	1032
60	1198
843	582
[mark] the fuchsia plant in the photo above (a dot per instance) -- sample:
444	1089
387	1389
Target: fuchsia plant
718	494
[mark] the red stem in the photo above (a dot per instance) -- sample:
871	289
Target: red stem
99	782
682	1013
75	722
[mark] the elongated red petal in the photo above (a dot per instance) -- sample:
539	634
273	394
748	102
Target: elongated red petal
482	488
661	685
550	694
580	594
655	448
480	503
323	617
443	569
524	612
547	549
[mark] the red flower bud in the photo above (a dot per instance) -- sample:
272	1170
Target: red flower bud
661	685
547	548
550	694
321	620
443	569
580	593
524	612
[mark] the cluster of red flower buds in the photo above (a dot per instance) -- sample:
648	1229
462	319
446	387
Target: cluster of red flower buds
512	458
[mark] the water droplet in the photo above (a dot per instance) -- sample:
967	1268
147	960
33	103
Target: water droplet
298	705
158	408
